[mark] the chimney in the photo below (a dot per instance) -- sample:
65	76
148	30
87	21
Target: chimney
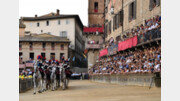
36	15
57	12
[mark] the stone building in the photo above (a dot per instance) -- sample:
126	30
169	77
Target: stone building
95	31
21	29
123	15
64	26
96	12
49	46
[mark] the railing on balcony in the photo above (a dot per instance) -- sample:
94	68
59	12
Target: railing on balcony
31	48
93	46
52	48
43	49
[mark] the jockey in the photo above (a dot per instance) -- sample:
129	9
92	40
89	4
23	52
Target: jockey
40	65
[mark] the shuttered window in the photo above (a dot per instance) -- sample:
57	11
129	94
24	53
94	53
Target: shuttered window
110	27
132	11
153	4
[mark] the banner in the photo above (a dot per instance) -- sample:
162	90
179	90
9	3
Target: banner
103	52
129	43
22	66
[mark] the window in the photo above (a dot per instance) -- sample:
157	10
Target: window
153	4
41	31
63	34
31	56
49	33
30	45
43	55
120	18
62	46
20	54
96	7
47	23
132	11
109	27
61	55
43	45
67	22
52	56
59	22
38	24
20	45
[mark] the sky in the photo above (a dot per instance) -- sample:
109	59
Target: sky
28	8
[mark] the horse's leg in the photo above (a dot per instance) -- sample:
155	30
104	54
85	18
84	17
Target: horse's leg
34	84
67	82
40	86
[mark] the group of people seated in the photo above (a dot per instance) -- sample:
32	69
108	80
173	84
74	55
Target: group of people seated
151	29
147	60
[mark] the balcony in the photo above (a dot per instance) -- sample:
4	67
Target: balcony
93	29
52	48
93	46
43	49
31	49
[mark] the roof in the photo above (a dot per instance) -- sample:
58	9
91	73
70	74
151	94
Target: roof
21	25
43	38
53	16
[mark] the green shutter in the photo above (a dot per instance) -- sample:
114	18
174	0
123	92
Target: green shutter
150	5
130	12
158	2
135	7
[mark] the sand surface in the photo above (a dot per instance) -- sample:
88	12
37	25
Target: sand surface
84	90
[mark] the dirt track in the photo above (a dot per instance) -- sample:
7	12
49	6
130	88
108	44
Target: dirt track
83	90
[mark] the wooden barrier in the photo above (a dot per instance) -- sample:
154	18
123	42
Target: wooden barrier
25	85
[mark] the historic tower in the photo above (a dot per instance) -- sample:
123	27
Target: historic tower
96	12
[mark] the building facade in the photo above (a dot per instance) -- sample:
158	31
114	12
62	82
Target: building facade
96	12
95	31
123	15
48	46
64	26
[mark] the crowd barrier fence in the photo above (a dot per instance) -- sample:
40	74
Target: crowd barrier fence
153	80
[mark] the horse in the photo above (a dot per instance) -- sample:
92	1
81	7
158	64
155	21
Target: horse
48	76
53	78
37	79
64	79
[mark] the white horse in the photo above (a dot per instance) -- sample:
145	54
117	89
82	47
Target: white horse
63	78
53	78
44	81
37	79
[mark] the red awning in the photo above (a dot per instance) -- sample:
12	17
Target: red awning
127	44
22	66
93	29
103	52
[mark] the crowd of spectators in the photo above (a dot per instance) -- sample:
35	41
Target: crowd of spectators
147	60
151	29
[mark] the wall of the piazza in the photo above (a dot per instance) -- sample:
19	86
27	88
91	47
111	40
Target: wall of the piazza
142	13
54	28
37	50
79	46
92	57
96	17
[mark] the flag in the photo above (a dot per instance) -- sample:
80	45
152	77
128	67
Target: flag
73	58
84	55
